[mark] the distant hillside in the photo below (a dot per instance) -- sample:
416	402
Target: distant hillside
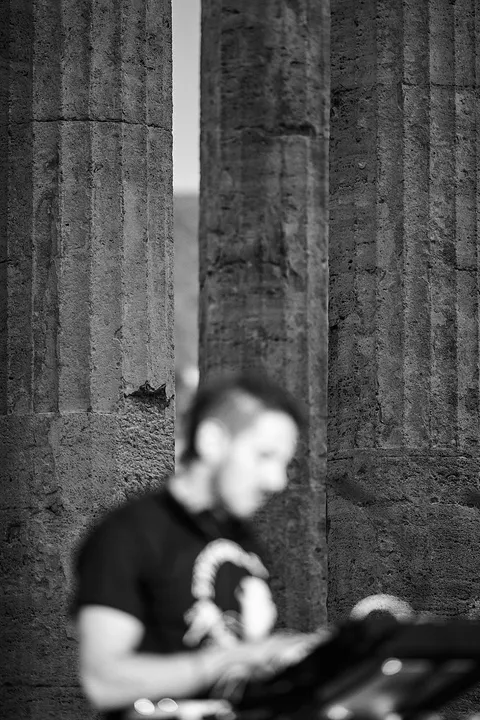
186	281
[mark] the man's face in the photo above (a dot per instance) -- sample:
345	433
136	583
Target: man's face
254	465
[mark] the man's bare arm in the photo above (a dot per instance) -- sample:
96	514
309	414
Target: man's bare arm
113	674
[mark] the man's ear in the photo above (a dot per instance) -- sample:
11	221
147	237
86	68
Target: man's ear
212	439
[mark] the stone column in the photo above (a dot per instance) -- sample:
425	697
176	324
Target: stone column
86	308
403	436
263	245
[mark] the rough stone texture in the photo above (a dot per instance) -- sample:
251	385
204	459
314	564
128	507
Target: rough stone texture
86	308
403	435
263	245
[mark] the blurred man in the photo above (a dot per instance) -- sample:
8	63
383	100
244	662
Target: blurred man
172	596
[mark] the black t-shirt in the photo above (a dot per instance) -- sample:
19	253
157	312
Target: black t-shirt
190	579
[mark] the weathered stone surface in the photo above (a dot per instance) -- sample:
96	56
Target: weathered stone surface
47	703
66	471
404	523
86	305
403	435
263	245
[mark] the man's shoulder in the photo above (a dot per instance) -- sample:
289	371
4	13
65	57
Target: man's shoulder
152	504
117	551
142	515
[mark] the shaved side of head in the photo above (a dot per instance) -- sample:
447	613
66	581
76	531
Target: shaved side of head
236	402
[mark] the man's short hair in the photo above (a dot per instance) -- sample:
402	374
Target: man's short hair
236	400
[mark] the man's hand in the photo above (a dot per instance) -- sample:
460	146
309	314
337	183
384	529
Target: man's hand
279	651
264	659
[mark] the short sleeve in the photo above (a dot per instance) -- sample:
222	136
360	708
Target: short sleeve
108	569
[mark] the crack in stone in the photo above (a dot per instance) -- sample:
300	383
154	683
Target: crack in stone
154	396
284	130
344	90
152	126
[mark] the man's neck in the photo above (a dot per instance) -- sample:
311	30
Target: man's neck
191	486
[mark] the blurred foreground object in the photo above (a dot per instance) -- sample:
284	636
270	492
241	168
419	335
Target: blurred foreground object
382	666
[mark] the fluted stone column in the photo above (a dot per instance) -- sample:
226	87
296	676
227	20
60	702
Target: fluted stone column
263	245
86	334
403	436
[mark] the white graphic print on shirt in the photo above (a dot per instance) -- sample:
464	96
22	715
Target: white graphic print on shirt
206	621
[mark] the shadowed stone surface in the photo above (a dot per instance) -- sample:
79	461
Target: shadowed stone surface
403	434
86	308
263	246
